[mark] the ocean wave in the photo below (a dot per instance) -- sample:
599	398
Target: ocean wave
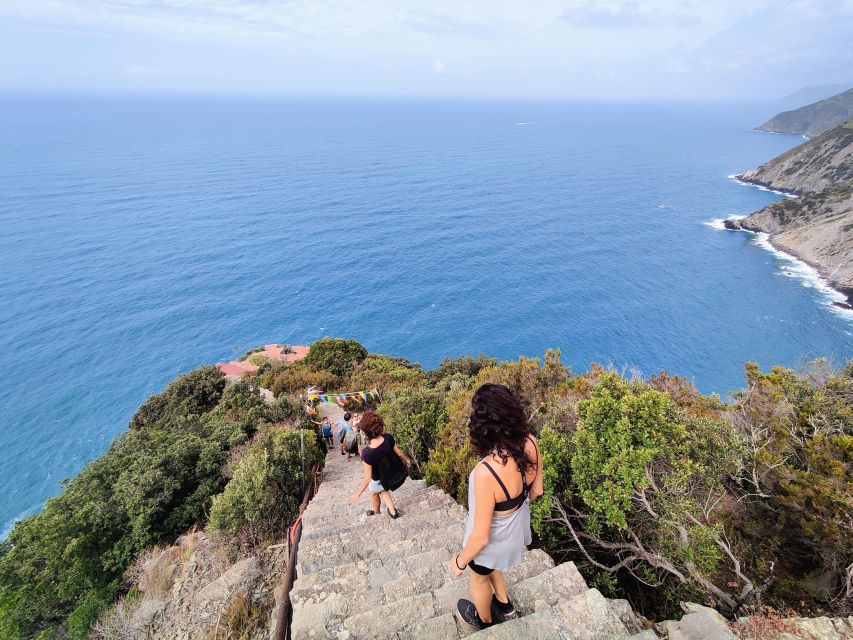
744	183
720	223
792	267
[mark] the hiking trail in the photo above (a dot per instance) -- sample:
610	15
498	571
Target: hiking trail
363	577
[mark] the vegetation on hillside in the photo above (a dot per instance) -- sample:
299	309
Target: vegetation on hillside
60	569
657	492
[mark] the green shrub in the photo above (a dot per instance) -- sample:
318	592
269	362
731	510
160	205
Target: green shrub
86	613
555	449
191	394
266	488
383	372
467	366
414	415
620	435
296	378
335	355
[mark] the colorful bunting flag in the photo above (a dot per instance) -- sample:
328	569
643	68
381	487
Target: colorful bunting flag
341	399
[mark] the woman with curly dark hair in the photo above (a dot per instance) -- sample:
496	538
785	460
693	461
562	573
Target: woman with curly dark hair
384	465
499	490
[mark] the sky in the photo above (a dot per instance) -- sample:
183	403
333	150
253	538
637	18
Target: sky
610	49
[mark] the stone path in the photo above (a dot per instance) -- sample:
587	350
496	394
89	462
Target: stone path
365	577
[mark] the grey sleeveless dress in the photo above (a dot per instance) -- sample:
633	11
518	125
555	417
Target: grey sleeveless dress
508	537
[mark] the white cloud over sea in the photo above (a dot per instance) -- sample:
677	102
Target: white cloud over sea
559	48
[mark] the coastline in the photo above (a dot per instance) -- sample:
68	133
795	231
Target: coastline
763	186
782	133
839	297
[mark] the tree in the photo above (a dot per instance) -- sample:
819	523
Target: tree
647	483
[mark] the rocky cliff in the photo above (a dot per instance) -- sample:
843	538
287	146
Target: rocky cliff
817	227
813	119
812	166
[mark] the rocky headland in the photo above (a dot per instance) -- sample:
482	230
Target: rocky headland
813	119
816	227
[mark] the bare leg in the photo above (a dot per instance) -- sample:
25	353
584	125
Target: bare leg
385	496
481	595
497	579
374	502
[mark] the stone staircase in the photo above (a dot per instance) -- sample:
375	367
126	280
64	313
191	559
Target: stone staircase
363	577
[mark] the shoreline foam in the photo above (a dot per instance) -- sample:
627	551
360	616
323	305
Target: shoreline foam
720	223
791	266
760	187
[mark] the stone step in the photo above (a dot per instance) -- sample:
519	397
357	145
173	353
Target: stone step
407	538
338	496
345	518
443	627
375	572
534	563
381	524
335	496
589	616
393	561
384	622
562	582
542	625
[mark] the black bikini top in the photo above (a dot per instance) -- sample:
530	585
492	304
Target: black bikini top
510	502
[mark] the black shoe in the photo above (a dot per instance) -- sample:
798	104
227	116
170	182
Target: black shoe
502	611
468	612
371	512
396	514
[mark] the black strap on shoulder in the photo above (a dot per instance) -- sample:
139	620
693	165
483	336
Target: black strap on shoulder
536	449
497	477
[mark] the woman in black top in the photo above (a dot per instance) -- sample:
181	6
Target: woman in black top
383	471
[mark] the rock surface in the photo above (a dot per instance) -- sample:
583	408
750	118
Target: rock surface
812	166
198	590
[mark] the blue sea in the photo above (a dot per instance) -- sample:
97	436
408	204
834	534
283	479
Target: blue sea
141	237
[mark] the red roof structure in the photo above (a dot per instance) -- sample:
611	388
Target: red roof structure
230	369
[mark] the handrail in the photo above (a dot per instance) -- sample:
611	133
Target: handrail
285	610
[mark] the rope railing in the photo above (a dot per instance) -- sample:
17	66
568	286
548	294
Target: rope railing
285	610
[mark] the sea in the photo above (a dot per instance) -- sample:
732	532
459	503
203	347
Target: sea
142	236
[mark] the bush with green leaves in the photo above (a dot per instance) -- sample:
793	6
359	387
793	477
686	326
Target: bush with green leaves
798	486
263	495
283	379
467	366
384	372
414	415
335	355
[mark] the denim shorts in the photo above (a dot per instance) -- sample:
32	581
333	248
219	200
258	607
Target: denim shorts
375	487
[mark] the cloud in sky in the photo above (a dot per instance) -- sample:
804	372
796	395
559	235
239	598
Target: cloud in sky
554	48
627	15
